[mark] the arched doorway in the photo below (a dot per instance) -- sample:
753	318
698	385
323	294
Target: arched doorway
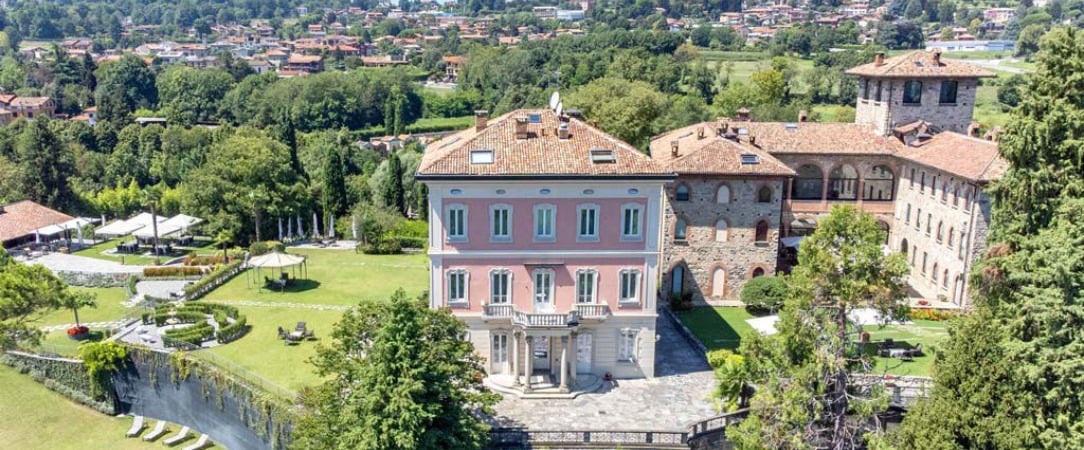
677	280
718	282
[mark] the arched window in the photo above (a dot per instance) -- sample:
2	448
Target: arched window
903	247
956	196
764	195
843	183
680	229
762	231
758	272
912	92
940	231
951	232
722	195
945	190
944	279
879	184
933	274
810	183
720	231
967	199
681	194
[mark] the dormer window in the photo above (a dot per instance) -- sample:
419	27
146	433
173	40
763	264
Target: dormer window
912	92
602	156
481	156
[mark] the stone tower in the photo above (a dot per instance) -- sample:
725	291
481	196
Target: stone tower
917	86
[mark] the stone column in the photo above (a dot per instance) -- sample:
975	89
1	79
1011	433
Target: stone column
515	358
861	189
573	351
824	189
528	362
564	363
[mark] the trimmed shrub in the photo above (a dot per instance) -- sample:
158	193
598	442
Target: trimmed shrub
172	271
233	331
260	248
384	247
181	316
932	314
764	293
716	358
195	335
208	260
215	276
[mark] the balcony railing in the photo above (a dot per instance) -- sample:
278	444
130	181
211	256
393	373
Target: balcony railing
530	319
592	311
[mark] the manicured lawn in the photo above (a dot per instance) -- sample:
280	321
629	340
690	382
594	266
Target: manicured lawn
988	111
722	328
337	277
33	417
717	327
261	352
109	308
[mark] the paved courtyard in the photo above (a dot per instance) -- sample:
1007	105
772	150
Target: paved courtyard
677	397
62	262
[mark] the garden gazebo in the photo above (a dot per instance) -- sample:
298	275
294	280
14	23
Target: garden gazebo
296	264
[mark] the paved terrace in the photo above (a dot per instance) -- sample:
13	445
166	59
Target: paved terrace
677	397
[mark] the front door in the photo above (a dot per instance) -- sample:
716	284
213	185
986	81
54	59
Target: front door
498	360
677	280
543	291
718	283
583	353
541	352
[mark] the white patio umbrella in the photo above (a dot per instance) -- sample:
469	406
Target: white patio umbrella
331	228
353	227
280	229
315	225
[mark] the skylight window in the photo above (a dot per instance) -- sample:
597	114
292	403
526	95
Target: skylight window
534	118
602	156
743	131
481	156
749	158
791	126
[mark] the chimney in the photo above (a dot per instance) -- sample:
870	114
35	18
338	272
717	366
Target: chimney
937	56
521	128
879	59
481	118
743	115
752	140
700	133
562	131
803	116
673	148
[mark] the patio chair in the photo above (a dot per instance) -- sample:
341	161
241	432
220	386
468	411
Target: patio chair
310	334
282	333
137	427
917	351
173	440
158	431
300	326
202	442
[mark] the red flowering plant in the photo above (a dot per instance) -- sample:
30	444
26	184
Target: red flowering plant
78	330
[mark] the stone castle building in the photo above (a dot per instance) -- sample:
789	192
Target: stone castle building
911	112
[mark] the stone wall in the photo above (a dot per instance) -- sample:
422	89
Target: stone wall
892	112
701	253
933	206
813	211
66	376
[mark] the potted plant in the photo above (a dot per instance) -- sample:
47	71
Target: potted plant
78	332
608	377
923	302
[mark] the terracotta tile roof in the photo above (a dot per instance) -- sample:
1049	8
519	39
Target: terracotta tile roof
30	101
816	138
304	59
712	154
20	219
541	154
920	63
960	155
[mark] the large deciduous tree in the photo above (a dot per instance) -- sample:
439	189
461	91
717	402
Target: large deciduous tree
1009	377
27	291
190	95
806	396
123	87
46	165
245	176
400	376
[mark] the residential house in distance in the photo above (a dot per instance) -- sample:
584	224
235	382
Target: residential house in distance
305	63
28	107
545	238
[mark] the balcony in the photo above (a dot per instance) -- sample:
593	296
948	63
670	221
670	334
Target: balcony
545	320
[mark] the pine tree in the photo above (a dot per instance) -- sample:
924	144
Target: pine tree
46	166
805	396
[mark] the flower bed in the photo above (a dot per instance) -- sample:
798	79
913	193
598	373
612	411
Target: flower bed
932	314
78	333
172	271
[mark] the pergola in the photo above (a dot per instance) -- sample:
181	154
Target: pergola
277	260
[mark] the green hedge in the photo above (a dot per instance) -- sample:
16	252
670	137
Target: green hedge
384	247
233	331
172	271
194	335
181	316
218	275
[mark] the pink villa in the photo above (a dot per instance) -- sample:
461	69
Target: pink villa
545	238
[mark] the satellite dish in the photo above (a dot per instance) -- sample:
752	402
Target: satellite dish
555	100
560	108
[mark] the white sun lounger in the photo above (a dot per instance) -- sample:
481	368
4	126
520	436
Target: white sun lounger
137	426
159	430
202	442
173	440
